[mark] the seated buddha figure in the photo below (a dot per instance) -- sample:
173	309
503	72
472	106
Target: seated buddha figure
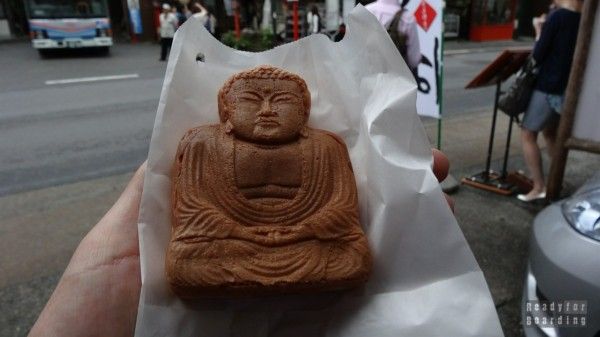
261	202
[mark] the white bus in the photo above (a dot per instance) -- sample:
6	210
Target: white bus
59	24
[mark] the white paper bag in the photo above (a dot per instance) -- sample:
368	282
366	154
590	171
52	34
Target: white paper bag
425	280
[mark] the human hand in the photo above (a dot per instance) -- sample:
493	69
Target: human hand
441	166
99	291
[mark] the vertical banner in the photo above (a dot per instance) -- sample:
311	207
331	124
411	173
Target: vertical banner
266	16
228	7
135	17
428	17
332	12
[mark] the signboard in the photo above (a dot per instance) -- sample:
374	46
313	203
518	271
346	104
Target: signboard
228	7
135	17
428	16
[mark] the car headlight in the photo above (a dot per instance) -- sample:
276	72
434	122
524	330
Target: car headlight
582	211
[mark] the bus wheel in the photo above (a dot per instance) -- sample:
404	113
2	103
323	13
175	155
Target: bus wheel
43	53
105	51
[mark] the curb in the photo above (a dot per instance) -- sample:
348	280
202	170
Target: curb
463	51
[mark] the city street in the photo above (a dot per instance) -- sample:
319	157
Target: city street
57	133
70	140
53	132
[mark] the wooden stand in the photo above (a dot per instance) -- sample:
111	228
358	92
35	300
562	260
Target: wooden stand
506	64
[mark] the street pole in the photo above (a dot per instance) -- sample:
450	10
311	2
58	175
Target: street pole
440	87
450	184
295	18
236	19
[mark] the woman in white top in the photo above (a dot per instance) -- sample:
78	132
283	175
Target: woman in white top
314	20
168	26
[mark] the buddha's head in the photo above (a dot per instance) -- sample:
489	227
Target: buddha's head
265	105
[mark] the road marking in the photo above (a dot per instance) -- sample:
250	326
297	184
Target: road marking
92	79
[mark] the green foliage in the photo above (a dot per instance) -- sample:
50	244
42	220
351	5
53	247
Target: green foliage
232	41
254	42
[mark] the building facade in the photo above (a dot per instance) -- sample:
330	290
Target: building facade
477	20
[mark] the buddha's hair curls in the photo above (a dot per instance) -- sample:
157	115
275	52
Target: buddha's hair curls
262	72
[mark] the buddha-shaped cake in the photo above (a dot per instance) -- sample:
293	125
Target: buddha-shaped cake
261	202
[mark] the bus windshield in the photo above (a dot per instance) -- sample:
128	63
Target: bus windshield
48	9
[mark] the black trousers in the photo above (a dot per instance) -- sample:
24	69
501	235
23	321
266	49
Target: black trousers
165	46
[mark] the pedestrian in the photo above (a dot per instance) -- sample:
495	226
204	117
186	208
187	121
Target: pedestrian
156	19
538	22
341	32
207	19
200	13
168	26
407	40
314	20
179	13
553	53
212	21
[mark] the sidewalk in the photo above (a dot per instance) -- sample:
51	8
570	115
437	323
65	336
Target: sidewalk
11	39
465	137
452	47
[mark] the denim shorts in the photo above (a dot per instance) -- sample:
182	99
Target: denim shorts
538	113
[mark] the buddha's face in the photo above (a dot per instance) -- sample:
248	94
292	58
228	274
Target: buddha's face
266	110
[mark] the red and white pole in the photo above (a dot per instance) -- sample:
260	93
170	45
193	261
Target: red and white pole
236	19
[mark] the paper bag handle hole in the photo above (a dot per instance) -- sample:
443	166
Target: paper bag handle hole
200	57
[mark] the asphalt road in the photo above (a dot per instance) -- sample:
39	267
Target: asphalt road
459	69
52	133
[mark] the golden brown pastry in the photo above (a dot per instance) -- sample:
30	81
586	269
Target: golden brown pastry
261	202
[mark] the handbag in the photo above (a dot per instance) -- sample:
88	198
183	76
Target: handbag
515	99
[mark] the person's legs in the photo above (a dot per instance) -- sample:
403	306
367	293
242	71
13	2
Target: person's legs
549	133
163	49
169	44
533	160
535	119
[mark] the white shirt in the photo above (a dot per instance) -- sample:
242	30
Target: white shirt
314	24
168	24
384	11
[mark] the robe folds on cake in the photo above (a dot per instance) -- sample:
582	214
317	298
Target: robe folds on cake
311	239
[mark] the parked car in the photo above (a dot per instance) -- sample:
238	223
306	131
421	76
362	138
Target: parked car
564	266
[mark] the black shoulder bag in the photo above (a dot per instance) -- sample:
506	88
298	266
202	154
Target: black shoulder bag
515	99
